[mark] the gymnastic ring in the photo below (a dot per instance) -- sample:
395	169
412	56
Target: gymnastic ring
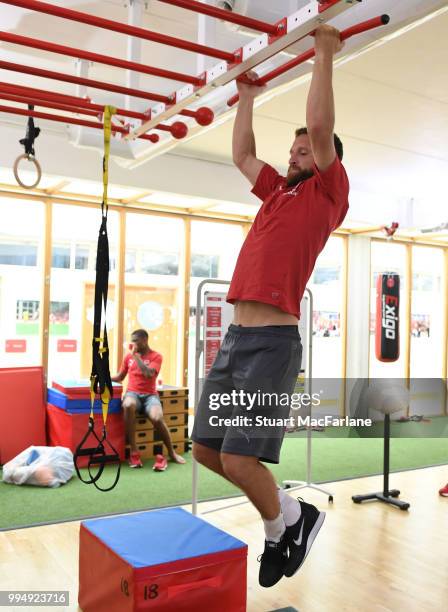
30	158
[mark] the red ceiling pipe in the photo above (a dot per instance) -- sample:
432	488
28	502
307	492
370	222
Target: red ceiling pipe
204	116
48	104
68	78
77	105
34	43
370	24
72	120
213	11
43	94
116	26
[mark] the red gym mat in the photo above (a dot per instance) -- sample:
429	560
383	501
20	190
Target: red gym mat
22	411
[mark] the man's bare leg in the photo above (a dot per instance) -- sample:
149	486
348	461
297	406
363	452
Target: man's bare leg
156	418
247	473
209	458
257	482
129	408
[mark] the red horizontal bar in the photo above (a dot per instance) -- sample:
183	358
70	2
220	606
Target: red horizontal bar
67	78
43	94
116	26
370	24
72	120
97	57
72	101
365	26
213	11
49	104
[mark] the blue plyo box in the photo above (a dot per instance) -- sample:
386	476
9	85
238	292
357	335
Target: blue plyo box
79	406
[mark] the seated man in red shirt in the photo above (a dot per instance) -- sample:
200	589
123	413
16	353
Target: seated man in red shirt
261	353
141	398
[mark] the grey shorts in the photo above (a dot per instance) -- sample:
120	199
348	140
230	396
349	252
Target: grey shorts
144	401
246	395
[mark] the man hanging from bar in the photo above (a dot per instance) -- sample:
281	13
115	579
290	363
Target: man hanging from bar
261	354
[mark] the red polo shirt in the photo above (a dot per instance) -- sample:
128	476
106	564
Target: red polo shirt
137	381
290	230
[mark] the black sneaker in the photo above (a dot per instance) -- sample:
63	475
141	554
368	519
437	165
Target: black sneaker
300	536
272	562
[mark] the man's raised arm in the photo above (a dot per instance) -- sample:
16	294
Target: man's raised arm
243	142
320	113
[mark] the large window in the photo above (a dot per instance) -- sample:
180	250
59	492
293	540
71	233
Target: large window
152	295
21	231
388	257
427	312
75	235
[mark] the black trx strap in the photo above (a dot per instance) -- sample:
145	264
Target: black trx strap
100	380
32	133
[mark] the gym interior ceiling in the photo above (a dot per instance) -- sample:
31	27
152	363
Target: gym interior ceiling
391	101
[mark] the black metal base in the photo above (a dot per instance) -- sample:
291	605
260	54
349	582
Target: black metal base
387	499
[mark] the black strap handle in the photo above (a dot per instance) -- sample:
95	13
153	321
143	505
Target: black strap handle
103	459
32	133
88	452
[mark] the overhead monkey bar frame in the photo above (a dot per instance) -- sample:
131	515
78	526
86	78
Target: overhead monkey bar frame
276	38
288	31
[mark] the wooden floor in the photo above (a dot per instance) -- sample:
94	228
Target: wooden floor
367	558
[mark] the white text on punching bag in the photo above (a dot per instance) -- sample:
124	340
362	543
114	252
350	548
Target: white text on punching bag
389	320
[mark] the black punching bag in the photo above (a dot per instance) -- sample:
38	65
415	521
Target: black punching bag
387	337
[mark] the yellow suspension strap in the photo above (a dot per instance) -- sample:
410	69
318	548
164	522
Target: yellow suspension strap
100	381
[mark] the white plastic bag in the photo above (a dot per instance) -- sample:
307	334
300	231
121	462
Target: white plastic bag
44	466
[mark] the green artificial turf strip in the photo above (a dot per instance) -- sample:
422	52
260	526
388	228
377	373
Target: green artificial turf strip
333	459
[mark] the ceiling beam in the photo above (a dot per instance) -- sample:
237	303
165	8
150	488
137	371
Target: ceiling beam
136	197
58	187
201	207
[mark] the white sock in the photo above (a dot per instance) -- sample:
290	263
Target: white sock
290	508
274	529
